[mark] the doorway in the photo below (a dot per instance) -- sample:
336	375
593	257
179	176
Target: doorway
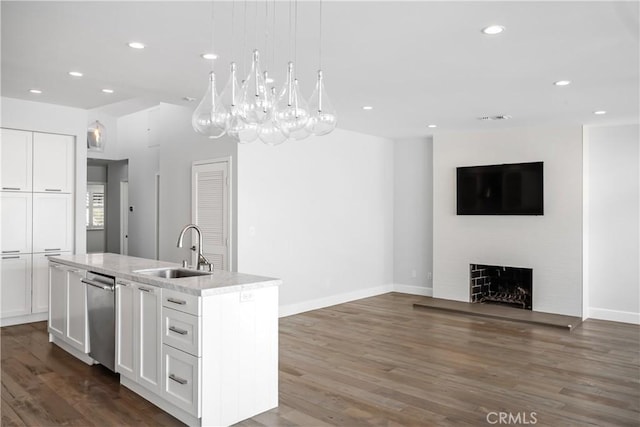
105	205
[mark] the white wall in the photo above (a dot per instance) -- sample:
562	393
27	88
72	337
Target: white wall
136	144
41	117
180	146
550	244
318	214
413	219
612	226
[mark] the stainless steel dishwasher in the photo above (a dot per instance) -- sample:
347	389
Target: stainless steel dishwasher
101	311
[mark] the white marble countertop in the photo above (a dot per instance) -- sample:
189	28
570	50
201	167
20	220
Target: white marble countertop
123	267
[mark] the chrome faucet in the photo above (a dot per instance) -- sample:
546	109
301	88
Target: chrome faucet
202	261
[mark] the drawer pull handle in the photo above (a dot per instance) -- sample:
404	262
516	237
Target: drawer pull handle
178	379
52	189
52	249
48	255
11	188
178	330
11	257
176	301
10	252
144	289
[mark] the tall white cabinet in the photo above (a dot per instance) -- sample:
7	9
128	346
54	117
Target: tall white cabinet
36	208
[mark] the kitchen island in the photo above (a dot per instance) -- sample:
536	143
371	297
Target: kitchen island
202	348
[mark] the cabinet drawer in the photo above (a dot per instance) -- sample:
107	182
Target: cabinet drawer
181	302
181	330
181	384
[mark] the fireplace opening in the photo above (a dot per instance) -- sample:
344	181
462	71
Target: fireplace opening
512	286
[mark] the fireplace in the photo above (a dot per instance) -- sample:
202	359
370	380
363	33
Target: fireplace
512	286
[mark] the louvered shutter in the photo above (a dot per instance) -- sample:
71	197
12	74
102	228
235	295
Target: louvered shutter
211	211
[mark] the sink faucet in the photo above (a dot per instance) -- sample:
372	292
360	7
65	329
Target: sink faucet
202	261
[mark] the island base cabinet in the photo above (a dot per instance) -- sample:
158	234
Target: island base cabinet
181	379
138	339
68	306
239	355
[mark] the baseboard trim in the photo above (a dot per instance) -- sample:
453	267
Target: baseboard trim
413	290
614	315
28	318
291	309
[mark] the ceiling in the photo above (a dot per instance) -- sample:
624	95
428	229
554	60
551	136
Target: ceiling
415	63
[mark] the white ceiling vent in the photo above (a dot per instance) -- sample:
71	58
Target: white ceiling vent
500	117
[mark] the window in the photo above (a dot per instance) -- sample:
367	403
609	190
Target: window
95	206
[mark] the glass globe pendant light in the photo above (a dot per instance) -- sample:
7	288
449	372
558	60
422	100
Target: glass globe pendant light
269	132
210	118
323	116
236	127
291	113
255	103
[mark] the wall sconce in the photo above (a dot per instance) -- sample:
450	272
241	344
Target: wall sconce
96	136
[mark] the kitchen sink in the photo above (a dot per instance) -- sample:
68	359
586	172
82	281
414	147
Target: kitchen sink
172	273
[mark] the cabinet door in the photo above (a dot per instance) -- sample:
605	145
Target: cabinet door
76	314
53	163
148	316
40	282
181	379
52	222
15	160
15	285
16	222
57	300
125	330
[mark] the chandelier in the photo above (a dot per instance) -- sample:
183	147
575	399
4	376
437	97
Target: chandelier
252	110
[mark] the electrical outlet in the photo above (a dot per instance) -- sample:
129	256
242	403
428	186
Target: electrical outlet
246	296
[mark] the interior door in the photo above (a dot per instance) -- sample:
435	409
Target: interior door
210	209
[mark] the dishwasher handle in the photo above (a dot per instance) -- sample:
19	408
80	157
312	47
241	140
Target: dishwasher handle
97	285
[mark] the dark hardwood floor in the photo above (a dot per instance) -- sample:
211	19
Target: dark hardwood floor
375	361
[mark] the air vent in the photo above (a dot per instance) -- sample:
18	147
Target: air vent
500	117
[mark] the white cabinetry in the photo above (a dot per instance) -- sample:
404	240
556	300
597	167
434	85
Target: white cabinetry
15	293
16	160
52	163
138	339
36	207
68	306
40	281
52	222
16	210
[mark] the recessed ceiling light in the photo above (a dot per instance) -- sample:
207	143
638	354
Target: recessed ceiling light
188	98
36	91
209	56
492	30
562	82
367	107
599	112
107	90
75	73
432	126
136	45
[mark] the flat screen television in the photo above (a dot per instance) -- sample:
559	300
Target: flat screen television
509	189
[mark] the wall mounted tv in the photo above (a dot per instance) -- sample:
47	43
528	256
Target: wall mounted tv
509	189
